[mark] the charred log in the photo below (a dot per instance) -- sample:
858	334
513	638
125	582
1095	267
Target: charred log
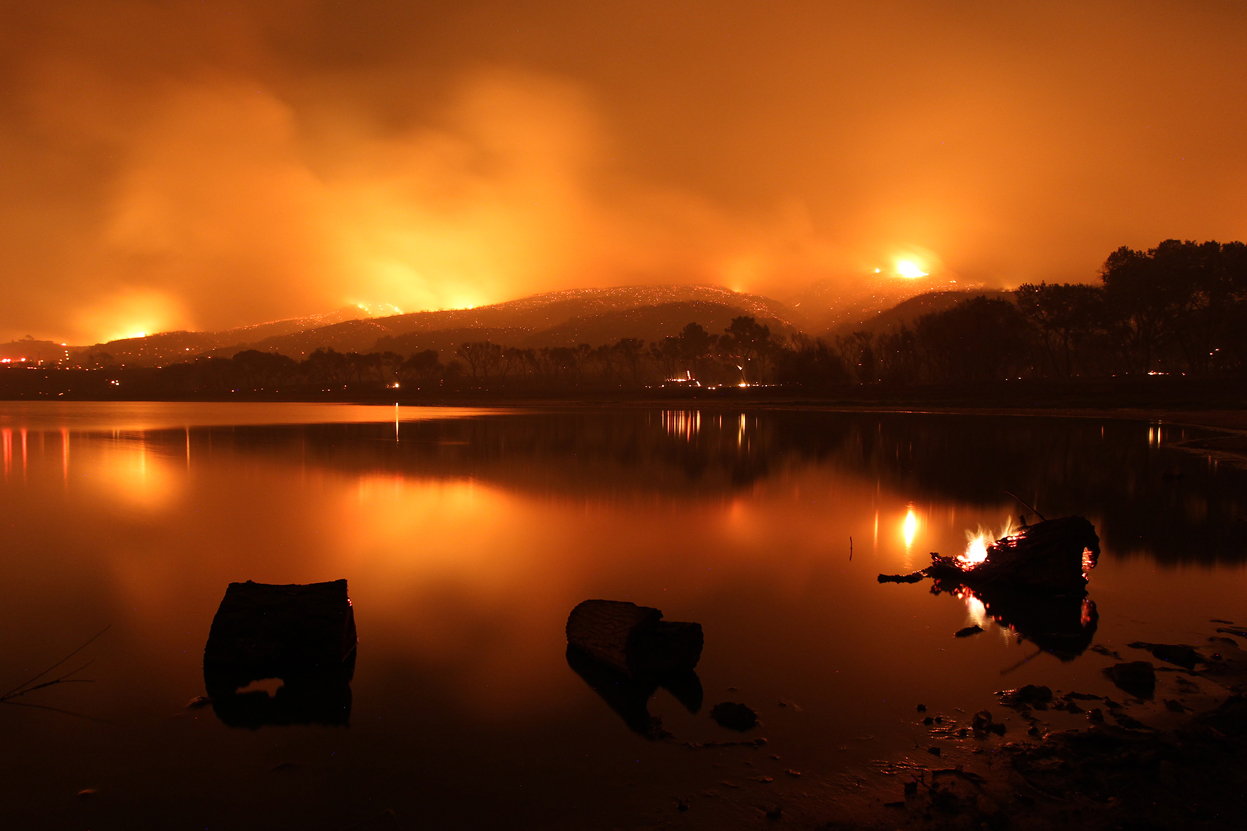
1053	555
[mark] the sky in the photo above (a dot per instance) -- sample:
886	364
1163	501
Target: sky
169	164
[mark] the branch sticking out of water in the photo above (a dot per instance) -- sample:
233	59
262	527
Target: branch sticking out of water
29	685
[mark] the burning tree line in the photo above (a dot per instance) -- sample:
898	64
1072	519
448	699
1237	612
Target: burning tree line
1178	308
746	352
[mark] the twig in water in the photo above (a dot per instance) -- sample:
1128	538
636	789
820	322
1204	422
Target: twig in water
1008	670
850	549
1026	504
25	686
54	710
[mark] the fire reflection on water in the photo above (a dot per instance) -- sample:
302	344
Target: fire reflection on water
909	529
682	424
977	611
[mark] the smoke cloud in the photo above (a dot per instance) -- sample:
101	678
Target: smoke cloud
192	165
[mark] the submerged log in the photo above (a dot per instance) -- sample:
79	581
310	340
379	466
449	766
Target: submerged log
634	639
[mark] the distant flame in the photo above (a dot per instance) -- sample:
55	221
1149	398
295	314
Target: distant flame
910	270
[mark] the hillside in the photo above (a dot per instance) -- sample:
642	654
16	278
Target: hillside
831	304
910	310
570	317
446	341
651	323
537	314
565	318
167	347
32	350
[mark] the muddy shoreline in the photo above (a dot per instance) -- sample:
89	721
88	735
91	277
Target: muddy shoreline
1039	759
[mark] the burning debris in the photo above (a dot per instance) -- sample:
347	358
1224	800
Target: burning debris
1032	580
1053	555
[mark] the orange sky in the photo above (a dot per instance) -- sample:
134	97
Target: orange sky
169	164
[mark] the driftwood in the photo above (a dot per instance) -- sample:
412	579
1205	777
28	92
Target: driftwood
301	634
634	639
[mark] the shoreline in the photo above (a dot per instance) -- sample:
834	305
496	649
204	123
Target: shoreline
1176	758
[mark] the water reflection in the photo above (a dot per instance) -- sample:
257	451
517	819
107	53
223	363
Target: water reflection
324	701
467	541
910	528
1063	625
1116	473
629	696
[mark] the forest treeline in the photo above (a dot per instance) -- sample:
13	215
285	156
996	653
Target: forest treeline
1179	308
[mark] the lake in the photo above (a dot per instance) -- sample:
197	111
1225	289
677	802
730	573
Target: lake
467	536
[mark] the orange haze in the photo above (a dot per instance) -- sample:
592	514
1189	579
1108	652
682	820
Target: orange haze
207	164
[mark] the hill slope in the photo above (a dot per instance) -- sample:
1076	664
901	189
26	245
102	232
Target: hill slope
584	314
831	304
910	310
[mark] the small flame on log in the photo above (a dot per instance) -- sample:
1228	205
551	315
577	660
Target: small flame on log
977	543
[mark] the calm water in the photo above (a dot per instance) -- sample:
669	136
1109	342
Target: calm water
467	536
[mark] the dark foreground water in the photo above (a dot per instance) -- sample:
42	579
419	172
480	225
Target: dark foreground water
468	536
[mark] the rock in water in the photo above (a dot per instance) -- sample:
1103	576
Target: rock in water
302	634
734	716
1135	677
1029	696
634	639
1180	654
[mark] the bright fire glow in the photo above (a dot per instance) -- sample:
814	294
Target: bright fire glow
978	541
976	549
976	610
909	269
